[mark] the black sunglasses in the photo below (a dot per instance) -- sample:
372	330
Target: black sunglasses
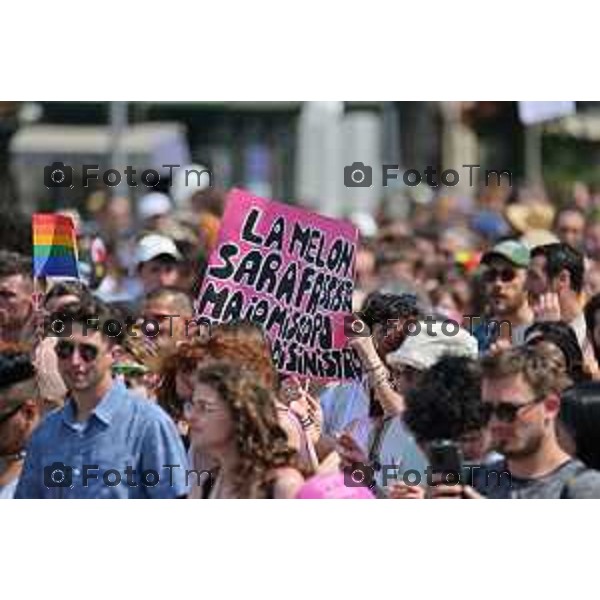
506	411
506	275
65	349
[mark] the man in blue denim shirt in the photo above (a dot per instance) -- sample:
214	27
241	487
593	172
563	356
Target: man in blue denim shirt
106	442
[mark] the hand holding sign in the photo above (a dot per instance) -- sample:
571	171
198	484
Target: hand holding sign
308	409
291	272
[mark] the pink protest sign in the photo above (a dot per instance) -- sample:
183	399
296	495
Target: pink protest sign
292	272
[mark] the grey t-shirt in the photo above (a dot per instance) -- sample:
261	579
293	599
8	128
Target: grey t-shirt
571	480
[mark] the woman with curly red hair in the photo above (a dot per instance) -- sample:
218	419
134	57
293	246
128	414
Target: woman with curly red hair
233	418
244	344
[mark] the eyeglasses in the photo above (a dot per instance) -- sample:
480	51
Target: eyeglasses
506	411
505	275
200	406
65	349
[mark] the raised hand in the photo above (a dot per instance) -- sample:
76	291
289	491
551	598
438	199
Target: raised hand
547	308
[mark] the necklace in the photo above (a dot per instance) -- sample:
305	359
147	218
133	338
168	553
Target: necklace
15	456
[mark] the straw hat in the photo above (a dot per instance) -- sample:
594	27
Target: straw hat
538	237
524	217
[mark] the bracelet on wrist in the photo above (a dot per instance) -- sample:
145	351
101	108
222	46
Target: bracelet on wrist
306	422
379	379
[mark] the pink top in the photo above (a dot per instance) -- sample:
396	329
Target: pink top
330	487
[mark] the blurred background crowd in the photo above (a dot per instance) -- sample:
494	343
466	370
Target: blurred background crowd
296	152
521	246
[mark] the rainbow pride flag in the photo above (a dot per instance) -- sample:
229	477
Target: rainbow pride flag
54	246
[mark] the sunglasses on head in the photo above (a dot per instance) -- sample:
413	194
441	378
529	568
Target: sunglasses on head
506	275
65	349
506	411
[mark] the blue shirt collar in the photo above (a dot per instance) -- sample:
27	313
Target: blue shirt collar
106	409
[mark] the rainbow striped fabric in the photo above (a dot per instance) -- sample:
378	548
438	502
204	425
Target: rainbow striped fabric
54	246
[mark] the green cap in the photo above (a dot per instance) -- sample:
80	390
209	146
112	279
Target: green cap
511	250
129	369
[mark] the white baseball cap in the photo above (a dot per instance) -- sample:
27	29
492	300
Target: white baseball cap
154	204
423	350
365	223
153	245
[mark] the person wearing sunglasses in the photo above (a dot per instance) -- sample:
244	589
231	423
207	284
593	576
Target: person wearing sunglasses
20	412
103	427
521	390
504	276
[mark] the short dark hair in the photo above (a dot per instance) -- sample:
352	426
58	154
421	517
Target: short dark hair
88	311
13	263
15	365
580	415
65	288
380	307
562	257
563	337
446	403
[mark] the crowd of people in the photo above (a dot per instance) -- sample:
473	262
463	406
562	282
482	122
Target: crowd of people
479	340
